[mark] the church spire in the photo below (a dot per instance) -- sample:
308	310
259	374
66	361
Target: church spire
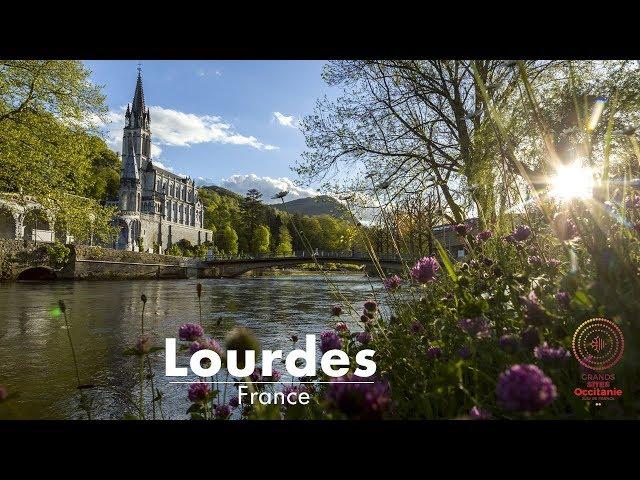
138	110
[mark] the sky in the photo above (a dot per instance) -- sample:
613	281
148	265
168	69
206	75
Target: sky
228	123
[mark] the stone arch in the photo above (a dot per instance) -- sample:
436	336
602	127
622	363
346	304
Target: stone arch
37	274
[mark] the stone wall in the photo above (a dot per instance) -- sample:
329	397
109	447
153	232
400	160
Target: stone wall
17	255
165	234
96	263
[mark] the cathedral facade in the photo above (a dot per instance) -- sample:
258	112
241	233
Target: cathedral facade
157	208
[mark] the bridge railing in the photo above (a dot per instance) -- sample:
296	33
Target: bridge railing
318	254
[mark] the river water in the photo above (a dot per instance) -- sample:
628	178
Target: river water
35	356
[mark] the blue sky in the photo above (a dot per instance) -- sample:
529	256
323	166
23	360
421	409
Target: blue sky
231	123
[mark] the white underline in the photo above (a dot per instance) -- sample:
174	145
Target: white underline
197	381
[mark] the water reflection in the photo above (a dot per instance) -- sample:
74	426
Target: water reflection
105	317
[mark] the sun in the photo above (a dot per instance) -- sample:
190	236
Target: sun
572	181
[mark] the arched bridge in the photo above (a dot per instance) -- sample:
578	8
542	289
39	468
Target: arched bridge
232	267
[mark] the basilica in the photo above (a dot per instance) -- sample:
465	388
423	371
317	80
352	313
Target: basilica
157	208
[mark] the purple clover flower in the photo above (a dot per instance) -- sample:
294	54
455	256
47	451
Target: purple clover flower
563	299
370	306
416	327
363	337
535	261
392	283
341	327
633	201
330	341
521	233
295	390
205	343
461	229
554	263
525	388
276	375
509	343
336	310
484	235
190	332
433	353
198	391
256	376
564	227
234	402
359	401
547	354
476	327
424	271
222	412
476	413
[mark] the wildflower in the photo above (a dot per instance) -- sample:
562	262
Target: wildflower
198	391
241	339
530	338
461	229
143	345
336	310
510	238
535	261
190	332
143	297
256	376
564	227
392	283
3	393
330	341
521	233
525	388
368	313
475	327
434	352
464	353
295	390
361	401
294	338
633	201
484	235
364	318
370	306
563	299
276	375
341	327
425	269
554	263
477	413
509	343
205	343
363	337
222	412
199	290
416	327
487	261
548	354
234	402
534	313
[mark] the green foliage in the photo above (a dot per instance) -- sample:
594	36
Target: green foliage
174	250
284	246
58	254
228	241
260	239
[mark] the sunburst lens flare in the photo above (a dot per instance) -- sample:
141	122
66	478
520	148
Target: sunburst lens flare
596	112
572	182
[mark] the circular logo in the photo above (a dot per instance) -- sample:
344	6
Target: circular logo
598	344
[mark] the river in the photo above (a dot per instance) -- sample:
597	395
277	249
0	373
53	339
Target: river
35	356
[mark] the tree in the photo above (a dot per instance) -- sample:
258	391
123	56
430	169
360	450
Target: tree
227	241
260	239
284	241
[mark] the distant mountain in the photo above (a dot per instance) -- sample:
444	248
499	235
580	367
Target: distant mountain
223	191
320	205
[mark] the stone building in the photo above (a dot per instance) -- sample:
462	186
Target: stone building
157	208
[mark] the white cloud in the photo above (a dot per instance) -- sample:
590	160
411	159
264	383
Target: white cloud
178	129
266	185
285	120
